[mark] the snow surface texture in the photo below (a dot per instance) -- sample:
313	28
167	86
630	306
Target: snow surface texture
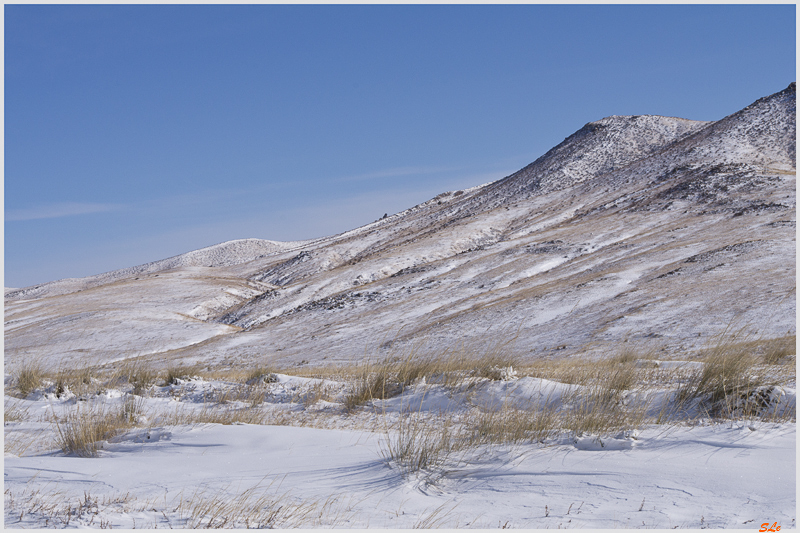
731	475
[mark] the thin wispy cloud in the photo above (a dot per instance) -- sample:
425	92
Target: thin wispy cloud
142	207
58	210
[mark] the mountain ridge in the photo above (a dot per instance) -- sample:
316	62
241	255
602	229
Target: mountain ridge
640	226
690	127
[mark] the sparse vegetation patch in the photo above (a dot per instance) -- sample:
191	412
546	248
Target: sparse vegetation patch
432	413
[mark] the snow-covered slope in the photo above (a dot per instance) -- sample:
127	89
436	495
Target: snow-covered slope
643	228
218	255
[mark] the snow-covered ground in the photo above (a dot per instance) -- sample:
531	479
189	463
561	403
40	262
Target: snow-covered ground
644	234
315	464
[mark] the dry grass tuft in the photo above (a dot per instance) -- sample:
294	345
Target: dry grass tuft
491	361
599	406
137	373
255	507
782	350
317	392
596	413
450	367
132	409
83	431
28	377
14	412
175	374
17	443
417	443
509	425
435	518
260	376
79	381
731	384
375	382
253	394
220	415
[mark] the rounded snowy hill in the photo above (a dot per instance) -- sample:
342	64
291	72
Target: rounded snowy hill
219	255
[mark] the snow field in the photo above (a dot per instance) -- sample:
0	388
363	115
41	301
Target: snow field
464	442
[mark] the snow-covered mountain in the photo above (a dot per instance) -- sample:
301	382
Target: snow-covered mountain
640	229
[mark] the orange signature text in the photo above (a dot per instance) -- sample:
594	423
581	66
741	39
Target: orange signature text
766	527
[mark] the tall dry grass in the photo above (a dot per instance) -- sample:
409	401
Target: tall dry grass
14	411
373	382
175	374
510	425
733	382
599	406
82	432
449	367
28	377
81	381
782	350
17	443
257	507
136	373
739	377
418	442
215	414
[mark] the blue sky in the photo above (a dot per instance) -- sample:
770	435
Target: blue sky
134	133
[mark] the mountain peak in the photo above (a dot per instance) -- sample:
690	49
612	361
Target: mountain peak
597	148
